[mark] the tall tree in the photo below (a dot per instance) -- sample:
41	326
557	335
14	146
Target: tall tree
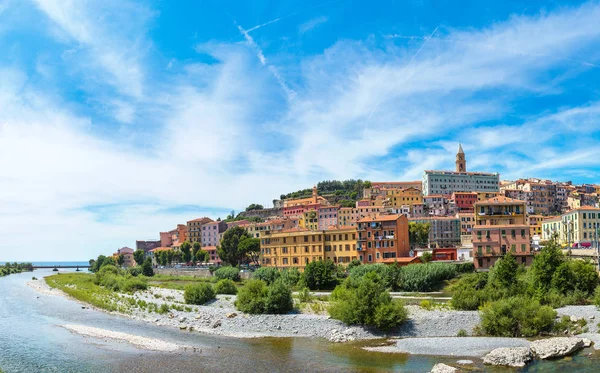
138	256
170	254
505	271
229	250
418	234
545	264
121	259
250	247
147	268
186	251
196	247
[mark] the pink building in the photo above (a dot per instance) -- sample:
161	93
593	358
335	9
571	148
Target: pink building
211	233
212	252
328	217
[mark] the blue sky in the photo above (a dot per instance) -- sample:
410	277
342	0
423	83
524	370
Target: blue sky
120	119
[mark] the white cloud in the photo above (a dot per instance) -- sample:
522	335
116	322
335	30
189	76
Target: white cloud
315	22
226	138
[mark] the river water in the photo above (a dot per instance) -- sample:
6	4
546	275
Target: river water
32	339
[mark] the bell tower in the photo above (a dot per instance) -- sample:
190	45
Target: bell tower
461	161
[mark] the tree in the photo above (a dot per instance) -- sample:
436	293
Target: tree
418	234
505	271
138	256
170	255
147	268
320	275
250	247
367	184
177	255
121	259
186	251
196	248
426	257
545	264
229	250
254	206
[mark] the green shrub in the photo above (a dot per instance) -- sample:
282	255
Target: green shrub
304	295
133	284
251	297
279	298
426	277
365	301
135	271
461	333
426	304
468	267
230	273
320	275
164	308
267	274
147	268
291	276
426	257
389	315
390	274
198	293
225	286
34	278
517	317
597	297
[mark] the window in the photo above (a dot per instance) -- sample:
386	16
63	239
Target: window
479	250
369	245
503	233
487	234
479	235
513	233
513	248
523	247
488	249
377	255
285	261
523	233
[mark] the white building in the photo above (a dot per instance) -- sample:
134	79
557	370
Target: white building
448	182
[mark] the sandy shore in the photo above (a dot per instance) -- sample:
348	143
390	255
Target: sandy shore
151	344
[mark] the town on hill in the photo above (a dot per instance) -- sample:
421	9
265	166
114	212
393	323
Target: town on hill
449	215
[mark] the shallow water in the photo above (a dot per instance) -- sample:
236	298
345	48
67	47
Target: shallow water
32	340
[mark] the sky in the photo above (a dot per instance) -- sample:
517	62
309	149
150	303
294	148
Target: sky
120	119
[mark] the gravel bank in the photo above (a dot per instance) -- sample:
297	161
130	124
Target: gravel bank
589	313
151	344
451	346
438	323
42	287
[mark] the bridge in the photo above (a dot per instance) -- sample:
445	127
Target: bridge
61	267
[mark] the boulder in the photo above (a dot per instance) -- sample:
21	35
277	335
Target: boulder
509	356
586	342
216	324
443	368
464	362
231	315
556	347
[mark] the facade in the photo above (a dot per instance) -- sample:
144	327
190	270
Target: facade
448	182
463	201
467	221
309	220
501	225
347	216
340	245
436	205
297	207
407	197
378	187
212	252
579	227
127	253
194	228
383	238
535	225
328	217
146	245
443	231
211	233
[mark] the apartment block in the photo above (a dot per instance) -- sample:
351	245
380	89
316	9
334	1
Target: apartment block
501	225
580	227
383	238
212	233
443	231
194	228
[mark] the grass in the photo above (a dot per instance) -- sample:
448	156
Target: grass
177	282
81	287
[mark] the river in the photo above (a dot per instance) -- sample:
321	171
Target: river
32	339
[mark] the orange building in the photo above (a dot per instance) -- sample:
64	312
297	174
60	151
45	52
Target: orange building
383	238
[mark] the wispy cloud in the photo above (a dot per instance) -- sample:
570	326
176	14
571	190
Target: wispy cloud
315	22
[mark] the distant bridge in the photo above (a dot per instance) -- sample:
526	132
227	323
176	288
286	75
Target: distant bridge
61	267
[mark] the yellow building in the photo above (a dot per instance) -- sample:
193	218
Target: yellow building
535	225
309	220
404	197
295	248
580	226
484	196
347	216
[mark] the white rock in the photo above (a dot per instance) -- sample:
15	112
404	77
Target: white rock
586	342
574	319
464	362
556	347
443	368
509	356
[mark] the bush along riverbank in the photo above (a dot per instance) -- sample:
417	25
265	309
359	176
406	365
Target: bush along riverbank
12	268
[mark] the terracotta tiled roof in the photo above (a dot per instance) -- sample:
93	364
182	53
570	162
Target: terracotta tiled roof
204	220
401	260
380	218
587	208
500	200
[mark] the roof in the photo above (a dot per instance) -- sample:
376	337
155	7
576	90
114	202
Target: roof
500	200
587	208
340	228
292	230
460	149
401	260
161	249
204	220
209	248
380	218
